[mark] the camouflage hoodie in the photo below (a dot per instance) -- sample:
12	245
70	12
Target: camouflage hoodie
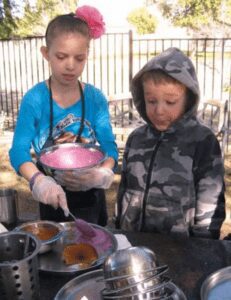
172	181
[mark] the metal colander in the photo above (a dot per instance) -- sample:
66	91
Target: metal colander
19	266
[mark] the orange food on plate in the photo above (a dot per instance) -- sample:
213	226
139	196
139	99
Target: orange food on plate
42	233
82	254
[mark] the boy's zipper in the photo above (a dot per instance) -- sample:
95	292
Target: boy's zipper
155	149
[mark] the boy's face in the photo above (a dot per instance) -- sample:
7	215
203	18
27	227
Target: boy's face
67	55
165	103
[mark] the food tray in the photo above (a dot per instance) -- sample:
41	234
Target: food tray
217	285
89	286
53	262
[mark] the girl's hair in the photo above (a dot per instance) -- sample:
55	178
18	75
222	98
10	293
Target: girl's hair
68	23
159	76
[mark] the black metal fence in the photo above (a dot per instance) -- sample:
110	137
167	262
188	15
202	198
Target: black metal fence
113	61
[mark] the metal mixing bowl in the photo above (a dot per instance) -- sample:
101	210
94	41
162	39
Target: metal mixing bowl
154	284
49	167
128	267
166	291
129	261
141	281
43	229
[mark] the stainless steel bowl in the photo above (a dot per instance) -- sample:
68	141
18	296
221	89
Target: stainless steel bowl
49	168
169	292
153	292
129	261
151	283
128	267
47	228
140	281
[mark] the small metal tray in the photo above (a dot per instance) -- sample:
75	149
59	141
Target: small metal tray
53	262
90	285
217	285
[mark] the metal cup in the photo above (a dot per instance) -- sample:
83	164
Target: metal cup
19	279
8	212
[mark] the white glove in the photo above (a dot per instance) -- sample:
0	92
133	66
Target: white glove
47	191
98	177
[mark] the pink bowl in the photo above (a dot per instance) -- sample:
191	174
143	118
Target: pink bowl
71	156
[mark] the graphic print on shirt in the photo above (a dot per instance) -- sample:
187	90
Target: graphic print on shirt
68	128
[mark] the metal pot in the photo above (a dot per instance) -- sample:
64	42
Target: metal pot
8	208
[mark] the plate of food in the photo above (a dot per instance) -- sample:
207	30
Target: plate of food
47	232
76	252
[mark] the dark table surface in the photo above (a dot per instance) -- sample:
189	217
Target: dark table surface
190	261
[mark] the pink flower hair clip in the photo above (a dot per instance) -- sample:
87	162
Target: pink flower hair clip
93	18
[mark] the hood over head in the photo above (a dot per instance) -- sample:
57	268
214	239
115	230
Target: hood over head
175	64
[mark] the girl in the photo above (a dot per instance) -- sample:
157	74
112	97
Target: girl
59	109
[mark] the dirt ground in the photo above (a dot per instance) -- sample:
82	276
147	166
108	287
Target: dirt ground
28	208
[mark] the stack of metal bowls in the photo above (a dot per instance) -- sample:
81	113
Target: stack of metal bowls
134	273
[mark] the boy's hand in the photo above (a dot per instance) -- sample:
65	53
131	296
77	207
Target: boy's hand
47	191
99	177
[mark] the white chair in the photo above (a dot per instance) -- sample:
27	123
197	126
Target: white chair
214	114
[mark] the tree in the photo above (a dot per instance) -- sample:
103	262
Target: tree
33	19
7	22
143	21
197	14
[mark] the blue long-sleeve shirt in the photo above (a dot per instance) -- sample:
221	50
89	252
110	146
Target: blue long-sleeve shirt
32	128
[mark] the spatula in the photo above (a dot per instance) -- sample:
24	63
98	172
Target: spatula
85	228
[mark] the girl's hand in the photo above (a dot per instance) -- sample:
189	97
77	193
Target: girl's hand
99	177
47	191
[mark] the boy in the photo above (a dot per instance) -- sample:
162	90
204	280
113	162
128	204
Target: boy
173	175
